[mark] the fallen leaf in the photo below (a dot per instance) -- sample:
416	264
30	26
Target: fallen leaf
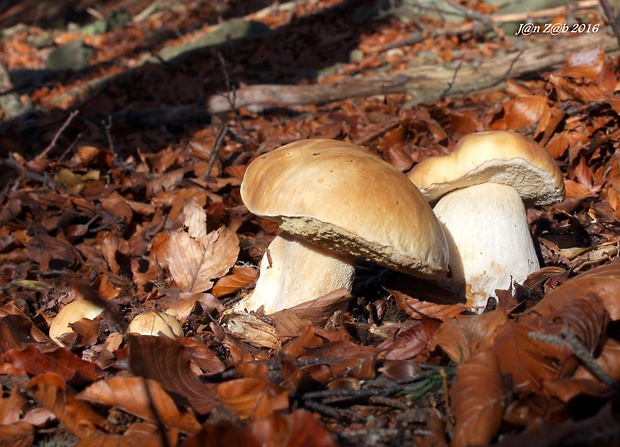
194	257
51	391
252	398
466	335
166	361
603	282
477	400
239	278
292	322
298	429
143	398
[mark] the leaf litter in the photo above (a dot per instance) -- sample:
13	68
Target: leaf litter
143	207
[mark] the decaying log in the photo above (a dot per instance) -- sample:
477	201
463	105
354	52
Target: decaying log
426	83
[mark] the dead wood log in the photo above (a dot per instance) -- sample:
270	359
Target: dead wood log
425	84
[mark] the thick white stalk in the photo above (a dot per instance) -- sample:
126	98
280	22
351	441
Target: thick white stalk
294	272
489	238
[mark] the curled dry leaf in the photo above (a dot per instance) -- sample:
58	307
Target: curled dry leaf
524	112
410	342
166	361
239	278
252	398
603	282
51	391
298	429
62	362
585	76
194	257
132	395
478	400
420	308
527	349
464	336
17	434
252	329
292	322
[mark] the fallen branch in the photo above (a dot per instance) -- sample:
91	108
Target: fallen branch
425	84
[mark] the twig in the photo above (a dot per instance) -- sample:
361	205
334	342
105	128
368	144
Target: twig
57	135
107	126
385	127
614	20
231	97
388	402
572	343
219	142
325	410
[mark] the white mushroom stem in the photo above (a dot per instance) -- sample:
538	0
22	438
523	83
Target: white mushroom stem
293	272
490	242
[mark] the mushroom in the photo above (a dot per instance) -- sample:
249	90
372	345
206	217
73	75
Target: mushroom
71	313
334	202
155	323
483	187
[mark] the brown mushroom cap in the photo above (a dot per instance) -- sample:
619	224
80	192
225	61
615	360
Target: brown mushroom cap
345	199
502	157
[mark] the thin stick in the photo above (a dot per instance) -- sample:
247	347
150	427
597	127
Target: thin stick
219	142
57	135
573	344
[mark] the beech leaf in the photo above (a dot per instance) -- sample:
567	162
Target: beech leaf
604	282
195	262
132	395
166	361
477	396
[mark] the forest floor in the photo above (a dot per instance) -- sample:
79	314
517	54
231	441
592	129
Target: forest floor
124	125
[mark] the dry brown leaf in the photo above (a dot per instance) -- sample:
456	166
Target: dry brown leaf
464	336
608	360
524	112
252	398
478	399
52	392
603	282
239	278
152	404
185	303
51	252
194	257
11	407
17	434
342	359
410	342
292	322
525	360
166	361
418	309
584	64
298	429
61	361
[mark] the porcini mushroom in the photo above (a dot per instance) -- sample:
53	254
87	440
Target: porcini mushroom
71	313
483	187
334	202
155	323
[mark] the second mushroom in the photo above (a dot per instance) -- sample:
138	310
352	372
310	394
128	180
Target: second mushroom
480	190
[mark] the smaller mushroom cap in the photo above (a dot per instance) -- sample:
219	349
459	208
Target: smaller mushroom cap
155	323
72	312
348	200
502	157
